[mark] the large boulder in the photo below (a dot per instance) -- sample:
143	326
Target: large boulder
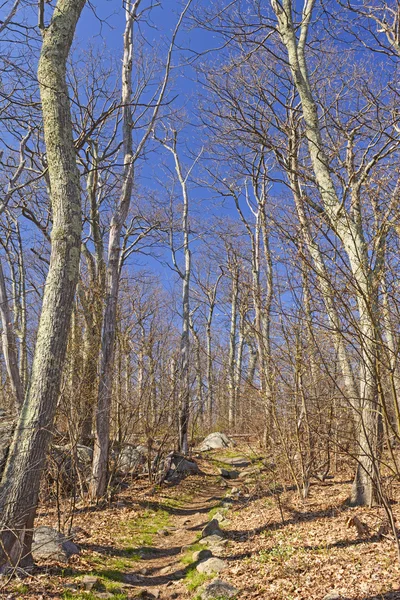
176	465
48	543
131	458
64	464
215	441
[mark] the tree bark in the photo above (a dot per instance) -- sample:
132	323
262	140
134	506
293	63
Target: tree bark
348	228
10	346
21	479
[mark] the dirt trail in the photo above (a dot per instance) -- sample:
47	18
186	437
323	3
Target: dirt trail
161	571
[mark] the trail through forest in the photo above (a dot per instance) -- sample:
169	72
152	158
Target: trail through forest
265	542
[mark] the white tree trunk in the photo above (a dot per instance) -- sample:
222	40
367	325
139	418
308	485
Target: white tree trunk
349	231
10	346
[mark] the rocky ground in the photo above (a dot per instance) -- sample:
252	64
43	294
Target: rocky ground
229	531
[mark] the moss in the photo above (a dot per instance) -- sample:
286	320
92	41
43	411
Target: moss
194	579
187	558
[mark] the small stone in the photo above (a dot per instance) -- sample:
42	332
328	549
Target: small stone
213	540
201	555
143	595
219	517
333	595
179	574
211	565
229	474
70	586
219	589
132	578
89	582
164	532
212	528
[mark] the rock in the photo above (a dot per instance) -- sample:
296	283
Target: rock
89	582
143	595
180	464
252	472
85	455
201	555
104	595
212	528
211	565
49	543
237	461
216	440
180	574
333	595
219	516
213	540
70	586
175	465
132	579
130	459
229	474
163	532
218	589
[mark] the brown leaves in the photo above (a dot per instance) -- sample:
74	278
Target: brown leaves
362	528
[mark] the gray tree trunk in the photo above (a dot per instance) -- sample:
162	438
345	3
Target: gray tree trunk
10	346
21	479
348	228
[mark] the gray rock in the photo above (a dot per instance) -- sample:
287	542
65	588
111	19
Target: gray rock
212	528
237	461
213	541
229	474
214	441
51	544
252	472
211	565
85	455
218	589
130	459
175	465
201	555
182	465
333	595
219	516
89	582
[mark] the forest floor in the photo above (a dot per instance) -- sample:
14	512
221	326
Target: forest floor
279	547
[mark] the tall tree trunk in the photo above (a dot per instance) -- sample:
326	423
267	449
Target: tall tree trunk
232	345
98	483
348	228
21	479
10	346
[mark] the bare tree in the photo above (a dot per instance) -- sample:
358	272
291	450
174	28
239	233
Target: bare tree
21	479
